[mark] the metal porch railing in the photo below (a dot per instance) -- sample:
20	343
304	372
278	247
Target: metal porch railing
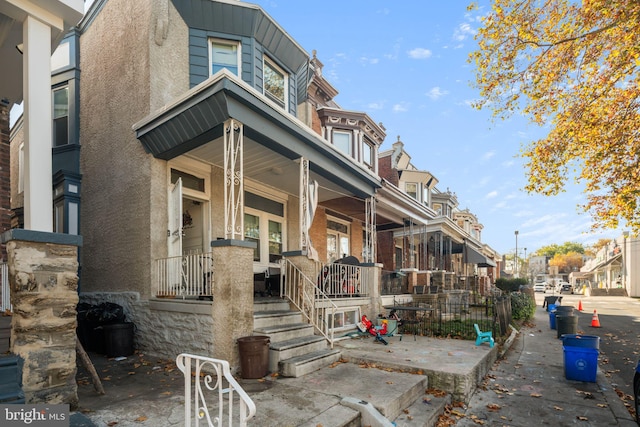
307	297
212	375
343	280
186	276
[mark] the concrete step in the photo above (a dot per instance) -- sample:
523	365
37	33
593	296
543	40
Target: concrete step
336	416
263	319
267	304
310	362
286	332
295	347
424	412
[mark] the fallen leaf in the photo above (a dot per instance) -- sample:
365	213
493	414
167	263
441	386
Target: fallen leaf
112	423
557	408
493	407
141	418
581	418
535	395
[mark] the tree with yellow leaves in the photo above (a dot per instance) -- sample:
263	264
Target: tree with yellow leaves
572	67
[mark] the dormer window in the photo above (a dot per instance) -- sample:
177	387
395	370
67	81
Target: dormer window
225	54
275	82
411	188
342	141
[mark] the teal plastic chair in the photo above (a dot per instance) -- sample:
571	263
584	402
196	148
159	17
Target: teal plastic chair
483	336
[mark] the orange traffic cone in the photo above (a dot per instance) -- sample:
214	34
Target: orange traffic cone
595	322
580	305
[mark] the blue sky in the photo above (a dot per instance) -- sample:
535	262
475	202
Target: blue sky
405	65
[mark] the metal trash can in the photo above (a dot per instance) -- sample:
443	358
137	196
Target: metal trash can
254	356
566	324
118	339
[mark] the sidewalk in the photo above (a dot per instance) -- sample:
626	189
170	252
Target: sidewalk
528	386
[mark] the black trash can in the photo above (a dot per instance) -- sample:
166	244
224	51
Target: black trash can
118	339
566	324
254	356
564	310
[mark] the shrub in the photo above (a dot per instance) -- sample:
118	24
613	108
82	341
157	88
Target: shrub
510	285
523	307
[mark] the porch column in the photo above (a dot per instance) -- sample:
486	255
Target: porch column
43	270
38	186
233	180
232	307
370	229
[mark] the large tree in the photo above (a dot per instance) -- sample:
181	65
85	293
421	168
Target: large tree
570	67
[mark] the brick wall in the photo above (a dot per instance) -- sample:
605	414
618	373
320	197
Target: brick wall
385	170
386	250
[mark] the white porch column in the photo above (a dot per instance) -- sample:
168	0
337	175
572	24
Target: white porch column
370	229
234	180
304	204
38	185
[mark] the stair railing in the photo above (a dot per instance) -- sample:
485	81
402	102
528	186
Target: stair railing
212	375
317	308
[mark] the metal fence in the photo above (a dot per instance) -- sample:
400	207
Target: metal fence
455	319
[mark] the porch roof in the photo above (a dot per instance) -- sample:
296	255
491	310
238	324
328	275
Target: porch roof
198	118
472	256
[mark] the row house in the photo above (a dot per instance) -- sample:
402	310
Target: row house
438	245
199	152
614	270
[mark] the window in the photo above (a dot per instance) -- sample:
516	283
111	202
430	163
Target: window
342	141
275	82
346	318
367	154
21	169
225	54
412	189
263	225
60	117
337	240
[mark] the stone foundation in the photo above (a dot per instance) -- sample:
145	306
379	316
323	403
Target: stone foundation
44	284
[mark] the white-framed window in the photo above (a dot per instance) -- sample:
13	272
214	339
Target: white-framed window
411	188
345	318
276	82
21	168
338	242
342	141
224	54
61	116
367	154
264	224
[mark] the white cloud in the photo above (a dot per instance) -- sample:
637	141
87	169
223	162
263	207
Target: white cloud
488	155
463	32
491	194
400	108
375	105
419	53
365	60
435	93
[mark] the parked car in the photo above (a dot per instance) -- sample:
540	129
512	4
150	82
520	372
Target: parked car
636	391
540	287
565	287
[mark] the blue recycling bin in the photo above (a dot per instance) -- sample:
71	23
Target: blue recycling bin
552	318
580	363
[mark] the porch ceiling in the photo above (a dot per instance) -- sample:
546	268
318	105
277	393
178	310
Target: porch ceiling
273	139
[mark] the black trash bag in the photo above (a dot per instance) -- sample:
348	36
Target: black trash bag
110	313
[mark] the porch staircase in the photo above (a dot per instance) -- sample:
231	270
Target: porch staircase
294	349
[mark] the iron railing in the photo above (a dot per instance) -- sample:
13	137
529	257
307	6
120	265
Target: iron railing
343	280
204	374
186	276
455	319
306	296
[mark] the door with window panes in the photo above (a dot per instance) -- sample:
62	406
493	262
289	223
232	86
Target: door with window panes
338	245
264	226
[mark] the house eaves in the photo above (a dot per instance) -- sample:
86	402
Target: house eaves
392	200
245	20
198	117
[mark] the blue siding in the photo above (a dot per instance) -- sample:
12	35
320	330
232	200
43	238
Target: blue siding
198	57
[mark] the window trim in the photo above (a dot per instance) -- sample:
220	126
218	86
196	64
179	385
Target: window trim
263	225
233	43
267	61
67	116
417	193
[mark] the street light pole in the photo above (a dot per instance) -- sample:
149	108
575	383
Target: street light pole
515	258
526	265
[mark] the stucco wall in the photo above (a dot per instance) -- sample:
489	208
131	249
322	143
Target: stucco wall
125	76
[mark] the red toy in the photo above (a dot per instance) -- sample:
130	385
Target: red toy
377	331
